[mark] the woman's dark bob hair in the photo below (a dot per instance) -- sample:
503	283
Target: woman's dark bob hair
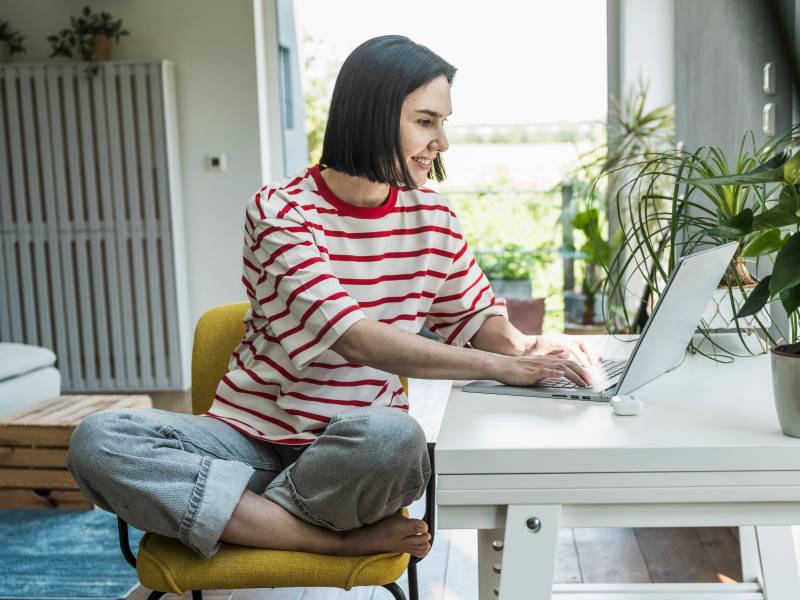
362	137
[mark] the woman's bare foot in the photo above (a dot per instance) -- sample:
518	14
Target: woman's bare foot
261	523
392	534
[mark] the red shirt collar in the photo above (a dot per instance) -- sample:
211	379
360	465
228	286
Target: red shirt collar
351	210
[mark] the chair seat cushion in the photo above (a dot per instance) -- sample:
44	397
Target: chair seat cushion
166	565
18	359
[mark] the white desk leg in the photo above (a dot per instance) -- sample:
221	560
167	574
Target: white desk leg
529	552
778	562
751	562
490	555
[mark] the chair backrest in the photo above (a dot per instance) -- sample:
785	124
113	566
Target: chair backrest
216	336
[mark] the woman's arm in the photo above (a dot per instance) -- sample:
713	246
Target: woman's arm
390	349
497	334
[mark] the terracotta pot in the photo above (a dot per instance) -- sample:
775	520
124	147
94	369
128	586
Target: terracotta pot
102	46
588	311
786	389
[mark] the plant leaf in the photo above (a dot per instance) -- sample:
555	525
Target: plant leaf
785	212
736	226
585	218
786	272
757	299
790	298
765	242
753	177
776	160
791	170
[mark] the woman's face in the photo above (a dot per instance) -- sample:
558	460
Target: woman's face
422	127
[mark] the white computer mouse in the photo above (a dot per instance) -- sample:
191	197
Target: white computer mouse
626	406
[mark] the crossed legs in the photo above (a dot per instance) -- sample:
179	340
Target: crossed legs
200	481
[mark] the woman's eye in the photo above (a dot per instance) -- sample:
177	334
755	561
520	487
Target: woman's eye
425	122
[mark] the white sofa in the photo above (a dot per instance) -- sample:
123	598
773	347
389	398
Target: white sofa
27	376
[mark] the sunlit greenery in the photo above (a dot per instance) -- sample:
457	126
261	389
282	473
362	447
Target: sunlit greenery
529	219
317	91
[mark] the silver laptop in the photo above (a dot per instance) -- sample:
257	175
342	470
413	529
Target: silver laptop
660	347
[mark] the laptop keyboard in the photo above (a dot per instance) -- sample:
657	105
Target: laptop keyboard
603	373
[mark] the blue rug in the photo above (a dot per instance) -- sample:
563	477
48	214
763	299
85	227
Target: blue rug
55	554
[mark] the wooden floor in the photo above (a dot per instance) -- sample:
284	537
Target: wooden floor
700	555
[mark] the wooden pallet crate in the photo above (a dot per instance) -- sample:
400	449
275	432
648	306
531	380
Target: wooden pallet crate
33	450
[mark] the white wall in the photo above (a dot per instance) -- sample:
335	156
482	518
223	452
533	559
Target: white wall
212	44
645	48
648	48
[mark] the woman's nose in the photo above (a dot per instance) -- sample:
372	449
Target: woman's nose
440	143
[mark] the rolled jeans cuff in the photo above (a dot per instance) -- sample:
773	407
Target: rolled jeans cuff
219	487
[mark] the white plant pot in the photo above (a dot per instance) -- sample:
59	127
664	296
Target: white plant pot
719	314
786	389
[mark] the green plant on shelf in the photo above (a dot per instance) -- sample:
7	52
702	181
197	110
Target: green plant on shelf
88	37
511	262
12	39
596	253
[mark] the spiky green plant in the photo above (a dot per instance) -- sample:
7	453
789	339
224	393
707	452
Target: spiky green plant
755	201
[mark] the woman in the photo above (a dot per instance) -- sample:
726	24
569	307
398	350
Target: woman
308	445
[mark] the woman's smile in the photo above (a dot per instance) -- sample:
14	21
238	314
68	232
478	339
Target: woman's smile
422	162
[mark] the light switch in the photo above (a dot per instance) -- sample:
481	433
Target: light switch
768	119
769	78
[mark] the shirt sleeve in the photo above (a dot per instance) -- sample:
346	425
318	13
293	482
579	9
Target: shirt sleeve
464	300
304	303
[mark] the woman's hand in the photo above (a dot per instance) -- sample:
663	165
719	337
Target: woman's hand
561	346
529	370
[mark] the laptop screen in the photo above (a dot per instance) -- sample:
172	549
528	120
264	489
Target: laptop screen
662	344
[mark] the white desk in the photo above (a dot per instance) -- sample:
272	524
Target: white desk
706	451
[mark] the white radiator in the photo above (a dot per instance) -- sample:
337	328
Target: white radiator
92	259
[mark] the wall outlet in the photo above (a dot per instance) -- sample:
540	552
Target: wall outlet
217	162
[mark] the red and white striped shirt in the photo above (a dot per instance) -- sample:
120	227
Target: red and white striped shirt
313	266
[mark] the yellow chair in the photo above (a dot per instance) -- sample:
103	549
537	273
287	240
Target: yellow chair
166	565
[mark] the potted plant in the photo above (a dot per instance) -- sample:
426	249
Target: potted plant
678	202
754	201
509	269
11	41
90	36
596	251
632	132
768	224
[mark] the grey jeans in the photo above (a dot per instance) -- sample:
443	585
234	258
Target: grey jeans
182	475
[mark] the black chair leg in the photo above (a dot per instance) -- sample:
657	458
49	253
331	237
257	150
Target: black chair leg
413	589
155	595
197	594
396	591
